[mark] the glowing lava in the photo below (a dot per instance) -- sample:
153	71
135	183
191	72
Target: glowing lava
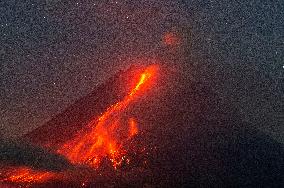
27	175
104	140
133	129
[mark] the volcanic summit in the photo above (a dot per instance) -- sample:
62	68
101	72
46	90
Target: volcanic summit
151	126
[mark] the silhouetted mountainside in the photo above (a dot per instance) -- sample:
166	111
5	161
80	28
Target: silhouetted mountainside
17	154
66	124
200	141
189	138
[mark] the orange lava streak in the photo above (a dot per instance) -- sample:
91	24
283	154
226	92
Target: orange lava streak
102	140
133	129
99	142
27	175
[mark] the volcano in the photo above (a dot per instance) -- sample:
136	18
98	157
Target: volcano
153	126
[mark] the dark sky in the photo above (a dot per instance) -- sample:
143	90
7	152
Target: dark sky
54	52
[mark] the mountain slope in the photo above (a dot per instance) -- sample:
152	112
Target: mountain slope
187	137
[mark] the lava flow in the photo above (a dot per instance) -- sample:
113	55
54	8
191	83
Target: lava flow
104	139
27	175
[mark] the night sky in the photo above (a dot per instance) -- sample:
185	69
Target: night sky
54	52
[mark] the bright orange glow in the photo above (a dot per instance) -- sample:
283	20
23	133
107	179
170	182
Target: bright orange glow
27	175
103	139
133	129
